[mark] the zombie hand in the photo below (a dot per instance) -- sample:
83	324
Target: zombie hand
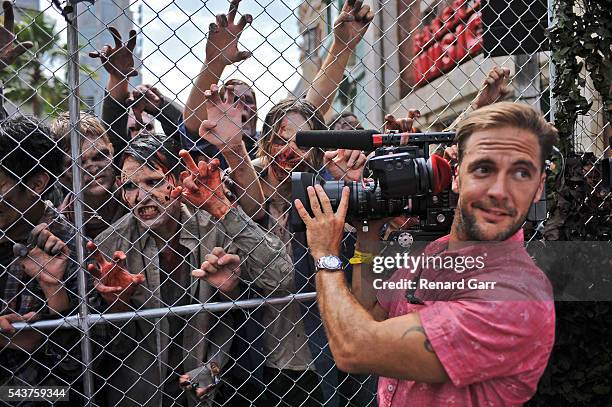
202	187
403	126
352	23
118	61
223	36
494	88
10	48
223	128
45	259
221	270
345	164
114	281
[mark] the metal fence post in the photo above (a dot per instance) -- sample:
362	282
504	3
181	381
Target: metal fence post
551	64
75	142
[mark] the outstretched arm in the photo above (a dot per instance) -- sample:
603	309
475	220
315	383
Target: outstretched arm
349	29
221	51
118	61
223	130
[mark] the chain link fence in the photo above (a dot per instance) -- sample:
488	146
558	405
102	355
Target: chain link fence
204	294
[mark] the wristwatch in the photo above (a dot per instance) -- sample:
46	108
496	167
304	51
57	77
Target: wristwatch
329	263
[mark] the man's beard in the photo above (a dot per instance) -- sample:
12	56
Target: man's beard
468	224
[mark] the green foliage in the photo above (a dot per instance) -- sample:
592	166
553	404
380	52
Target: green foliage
579	41
580	366
38	77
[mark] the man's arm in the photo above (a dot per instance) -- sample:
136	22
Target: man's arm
403	350
118	61
221	51
349	28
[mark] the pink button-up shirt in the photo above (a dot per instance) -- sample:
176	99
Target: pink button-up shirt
493	344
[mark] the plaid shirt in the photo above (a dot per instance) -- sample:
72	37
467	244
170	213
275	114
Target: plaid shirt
21	294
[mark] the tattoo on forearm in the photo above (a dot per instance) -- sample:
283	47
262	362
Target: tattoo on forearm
418	328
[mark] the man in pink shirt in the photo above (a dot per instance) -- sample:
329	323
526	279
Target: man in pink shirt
460	336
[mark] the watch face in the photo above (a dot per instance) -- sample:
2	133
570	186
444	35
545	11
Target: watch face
331	262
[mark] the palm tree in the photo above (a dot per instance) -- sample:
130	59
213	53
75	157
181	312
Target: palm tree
37	77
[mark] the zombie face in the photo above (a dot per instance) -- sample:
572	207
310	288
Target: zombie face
98	171
146	191
287	156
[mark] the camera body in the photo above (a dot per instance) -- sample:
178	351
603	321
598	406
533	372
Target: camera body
397	180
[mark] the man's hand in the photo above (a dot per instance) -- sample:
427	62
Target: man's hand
405	125
221	270
10	48
352	23
202	187
494	88
345	164
224	124
46	261
114	281
324	231
7	321
118	61
223	36
145	98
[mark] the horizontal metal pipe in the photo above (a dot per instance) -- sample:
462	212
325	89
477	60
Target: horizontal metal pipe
73	322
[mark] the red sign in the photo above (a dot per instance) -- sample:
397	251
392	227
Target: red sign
451	39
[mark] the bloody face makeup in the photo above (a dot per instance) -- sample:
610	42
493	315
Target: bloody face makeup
287	156
146	191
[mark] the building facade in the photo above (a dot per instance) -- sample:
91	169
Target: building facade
93	21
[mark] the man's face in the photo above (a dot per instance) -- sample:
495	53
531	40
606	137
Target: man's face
98	171
247	106
348	123
136	126
15	201
499	178
288	156
146	191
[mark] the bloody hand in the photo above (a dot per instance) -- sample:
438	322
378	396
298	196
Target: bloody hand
345	164
115	282
202	186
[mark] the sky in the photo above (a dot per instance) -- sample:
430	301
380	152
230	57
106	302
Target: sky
174	45
174	39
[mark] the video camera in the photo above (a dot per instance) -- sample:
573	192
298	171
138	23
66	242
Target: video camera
405	180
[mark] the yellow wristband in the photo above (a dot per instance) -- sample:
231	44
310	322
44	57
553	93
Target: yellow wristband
359	258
